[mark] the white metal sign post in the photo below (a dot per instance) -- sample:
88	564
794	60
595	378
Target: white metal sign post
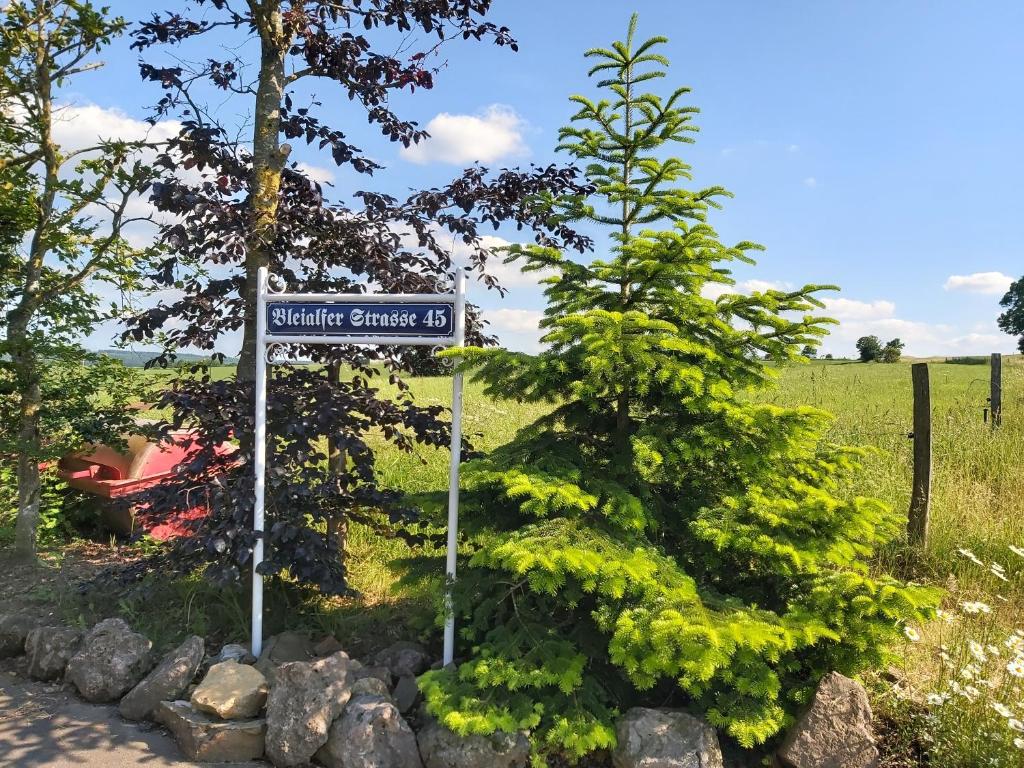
433	319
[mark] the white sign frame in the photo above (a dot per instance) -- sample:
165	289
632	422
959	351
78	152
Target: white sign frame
264	356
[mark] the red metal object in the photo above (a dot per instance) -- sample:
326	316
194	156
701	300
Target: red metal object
117	476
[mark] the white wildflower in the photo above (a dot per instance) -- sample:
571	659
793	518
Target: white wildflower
970	556
999	573
912	634
977	651
1002	709
1016	667
975	607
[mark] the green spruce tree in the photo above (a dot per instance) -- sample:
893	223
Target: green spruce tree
660	536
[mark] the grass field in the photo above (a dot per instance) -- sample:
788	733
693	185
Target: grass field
978	483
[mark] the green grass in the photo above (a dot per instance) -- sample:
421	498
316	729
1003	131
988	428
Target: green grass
977	490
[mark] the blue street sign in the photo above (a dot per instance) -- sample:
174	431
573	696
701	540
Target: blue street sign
323	318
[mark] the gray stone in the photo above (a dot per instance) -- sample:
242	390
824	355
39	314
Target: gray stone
371	733
381	673
305	699
289	646
231	691
657	738
835	731
441	748
49	649
205	740
234	652
370	686
167	682
404	658
329	646
407	694
111	661
14	629
282	649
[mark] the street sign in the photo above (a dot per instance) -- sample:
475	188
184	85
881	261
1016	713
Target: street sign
436	319
351	319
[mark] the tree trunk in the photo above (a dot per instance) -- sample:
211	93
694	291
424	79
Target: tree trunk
337	525
24	356
27	372
268	161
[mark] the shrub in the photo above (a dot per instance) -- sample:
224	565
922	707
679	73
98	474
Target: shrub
658	537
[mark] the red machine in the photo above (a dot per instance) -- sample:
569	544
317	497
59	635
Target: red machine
114	475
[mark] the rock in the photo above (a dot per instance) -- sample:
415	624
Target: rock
329	646
407	693
205	740
835	731
234	652
370	734
370	686
282	649
404	658
381	673
304	700
14	629
441	748
167	682
110	662
289	646
49	649
231	691
657	738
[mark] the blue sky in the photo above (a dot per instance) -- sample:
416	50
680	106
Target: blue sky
874	145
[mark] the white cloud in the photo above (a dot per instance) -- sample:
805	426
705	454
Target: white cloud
515	320
793	148
516	329
78	127
880	318
851	309
509	275
714	290
317	173
994	283
810	182
494	133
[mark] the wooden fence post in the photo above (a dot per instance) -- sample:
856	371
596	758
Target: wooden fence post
920	499
996	389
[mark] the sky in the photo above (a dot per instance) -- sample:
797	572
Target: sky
877	146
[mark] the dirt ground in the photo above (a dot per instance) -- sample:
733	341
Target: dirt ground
59	574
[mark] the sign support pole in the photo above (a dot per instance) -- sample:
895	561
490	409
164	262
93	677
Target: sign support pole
459	340
284	319
259	462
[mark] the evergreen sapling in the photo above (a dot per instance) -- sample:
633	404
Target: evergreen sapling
660	537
